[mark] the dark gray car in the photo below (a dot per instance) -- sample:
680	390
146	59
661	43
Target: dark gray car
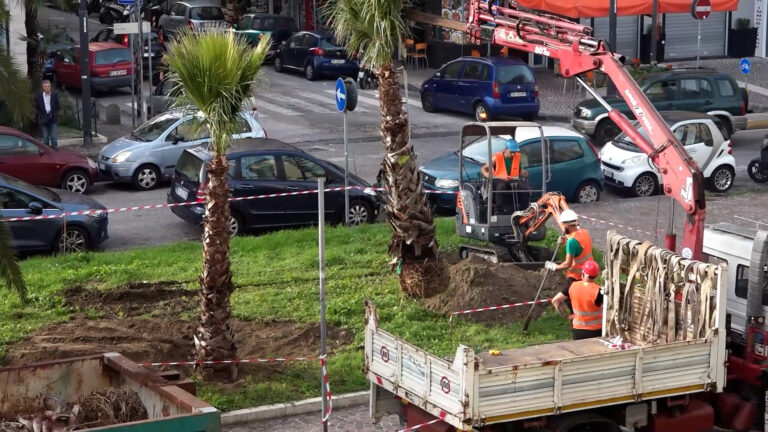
195	15
80	233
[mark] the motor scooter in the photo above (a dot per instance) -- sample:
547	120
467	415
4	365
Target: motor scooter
366	78
111	13
758	167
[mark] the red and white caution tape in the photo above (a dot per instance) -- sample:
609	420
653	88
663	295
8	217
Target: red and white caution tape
617	344
327	389
483	309
255	360
418	426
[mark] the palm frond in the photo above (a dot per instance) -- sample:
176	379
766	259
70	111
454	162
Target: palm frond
10	272
374	27
216	72
15	90
5	14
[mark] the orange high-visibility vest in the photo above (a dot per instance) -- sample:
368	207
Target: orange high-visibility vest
500	168
582	236
586	316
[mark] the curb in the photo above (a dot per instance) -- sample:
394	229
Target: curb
72	142
266	412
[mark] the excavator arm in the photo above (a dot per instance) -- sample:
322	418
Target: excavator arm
572	44
537	214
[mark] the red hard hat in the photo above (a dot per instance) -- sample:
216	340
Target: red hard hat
591	268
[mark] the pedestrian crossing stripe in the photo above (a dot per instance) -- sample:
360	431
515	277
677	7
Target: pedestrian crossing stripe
329	101
262	104
298	103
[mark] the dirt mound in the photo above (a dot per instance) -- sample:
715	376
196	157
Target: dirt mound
134	299
476	282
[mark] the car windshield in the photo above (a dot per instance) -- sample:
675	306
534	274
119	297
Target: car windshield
31	189
206	13
328	43
274	24
154	128
623	141
514	74
112	56
477	150
188	166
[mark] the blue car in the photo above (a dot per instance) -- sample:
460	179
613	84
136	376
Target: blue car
486	87
574	165
316	54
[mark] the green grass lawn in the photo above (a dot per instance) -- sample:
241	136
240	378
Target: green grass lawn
276	278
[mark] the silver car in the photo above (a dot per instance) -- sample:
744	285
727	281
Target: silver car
150	152
196	15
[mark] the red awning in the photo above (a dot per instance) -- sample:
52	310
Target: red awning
599	8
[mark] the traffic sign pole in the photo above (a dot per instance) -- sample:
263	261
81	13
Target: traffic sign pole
346	172
698	44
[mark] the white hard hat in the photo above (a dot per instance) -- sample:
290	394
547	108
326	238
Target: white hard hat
568	216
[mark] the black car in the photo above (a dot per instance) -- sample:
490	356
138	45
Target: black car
266	166
78	234
252	27
316	54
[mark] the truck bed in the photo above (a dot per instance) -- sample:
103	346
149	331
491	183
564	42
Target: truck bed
475	389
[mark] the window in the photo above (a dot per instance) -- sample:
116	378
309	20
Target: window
662	90
192	130
531	154
742	281
14	200
244	23
564	151
154	128
177	9
14	146
295	41
112	56
242	125
326	43
721	127
299	168
475	71
694	88
725	87
515	74
694	133
258	167
206	13
452	70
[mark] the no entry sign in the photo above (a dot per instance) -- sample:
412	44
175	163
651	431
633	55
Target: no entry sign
700	9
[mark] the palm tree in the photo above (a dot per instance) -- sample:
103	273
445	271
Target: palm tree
15	92
215	73
376	29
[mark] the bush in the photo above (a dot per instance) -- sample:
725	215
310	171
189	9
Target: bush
69	111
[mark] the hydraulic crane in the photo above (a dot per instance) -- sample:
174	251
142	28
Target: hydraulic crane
578	52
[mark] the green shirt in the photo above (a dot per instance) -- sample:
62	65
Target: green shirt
573	247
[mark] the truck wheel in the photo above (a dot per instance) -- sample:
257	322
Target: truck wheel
721	179
605	131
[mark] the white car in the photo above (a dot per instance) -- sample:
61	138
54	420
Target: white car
705	138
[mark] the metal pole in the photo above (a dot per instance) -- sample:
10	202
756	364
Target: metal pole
321	261
149	57
611	90
346	172
698	43
140	77
133	86
85	77
654	33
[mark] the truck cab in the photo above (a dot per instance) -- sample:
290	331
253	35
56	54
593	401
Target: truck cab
739	249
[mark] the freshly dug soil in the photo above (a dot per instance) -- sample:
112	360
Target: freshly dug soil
476	282
141	321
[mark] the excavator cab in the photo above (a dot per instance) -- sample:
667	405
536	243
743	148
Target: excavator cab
485	205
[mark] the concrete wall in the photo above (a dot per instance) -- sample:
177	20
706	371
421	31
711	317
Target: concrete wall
16	27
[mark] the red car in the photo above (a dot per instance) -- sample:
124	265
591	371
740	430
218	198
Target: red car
27	159
111	66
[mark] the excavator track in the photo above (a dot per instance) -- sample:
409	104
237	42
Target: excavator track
513	254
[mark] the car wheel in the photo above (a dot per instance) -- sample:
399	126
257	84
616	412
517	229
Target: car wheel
73	240
278	64
721	179
75	181
645	185
605	131
146	177
481	112
428	102
755	172
235	224
360	212
309	72
587	192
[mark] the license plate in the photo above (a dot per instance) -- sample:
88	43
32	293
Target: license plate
181	192
102	166
338	61
118	72
608	173
518	94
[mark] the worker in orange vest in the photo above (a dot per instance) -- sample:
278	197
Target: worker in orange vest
578	247
505	166
587	301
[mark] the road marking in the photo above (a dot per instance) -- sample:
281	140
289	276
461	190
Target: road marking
758	89
262	104
375	101
302	104
321	98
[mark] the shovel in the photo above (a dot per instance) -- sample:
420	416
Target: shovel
538	293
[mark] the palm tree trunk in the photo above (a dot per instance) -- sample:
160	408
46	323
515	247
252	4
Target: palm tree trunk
215	339
32	28
408	214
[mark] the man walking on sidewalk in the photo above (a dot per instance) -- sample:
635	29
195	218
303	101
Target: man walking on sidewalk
47	105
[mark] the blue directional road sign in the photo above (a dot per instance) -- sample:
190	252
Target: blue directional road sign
340	95
746	66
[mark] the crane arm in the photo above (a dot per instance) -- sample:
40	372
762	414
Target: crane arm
572	44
